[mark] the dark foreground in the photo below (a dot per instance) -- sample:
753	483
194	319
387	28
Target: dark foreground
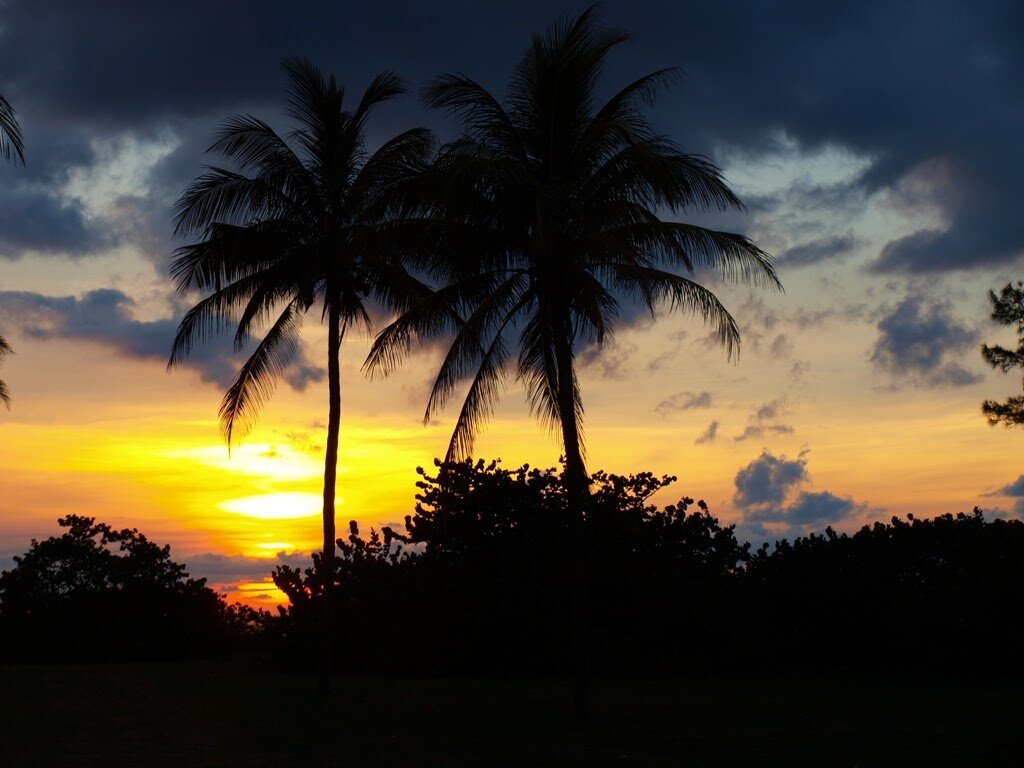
207	715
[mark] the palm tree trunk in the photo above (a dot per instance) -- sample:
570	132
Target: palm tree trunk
330	482
577	490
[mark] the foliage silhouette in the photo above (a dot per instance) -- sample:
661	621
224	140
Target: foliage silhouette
466	587
12	144
470	576
1007	309
918	593
5	395
308	226
549	204
97	593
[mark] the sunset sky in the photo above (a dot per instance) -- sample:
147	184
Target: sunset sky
879	149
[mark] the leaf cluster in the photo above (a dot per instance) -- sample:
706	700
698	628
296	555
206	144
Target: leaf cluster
1007	309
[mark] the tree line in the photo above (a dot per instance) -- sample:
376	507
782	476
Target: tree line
476	581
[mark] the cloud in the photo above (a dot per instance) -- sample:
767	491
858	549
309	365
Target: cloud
106	316
1016	489
759	425
709	435
781	347
819	250
921	342
760	430
223	568
772	504
768	478
610	360
809	509
683	401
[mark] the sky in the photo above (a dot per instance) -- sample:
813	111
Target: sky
877	147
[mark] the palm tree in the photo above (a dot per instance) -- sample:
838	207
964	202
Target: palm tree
5	395
301	222
551	205
11	142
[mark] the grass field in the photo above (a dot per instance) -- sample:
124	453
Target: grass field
239	715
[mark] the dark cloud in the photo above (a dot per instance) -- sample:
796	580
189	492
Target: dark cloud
709	435
610	360
768	479
761	421
816	251
683	401
921	341
761	430
934	83
781	347
106	317
809	509
38	221
223	568
1016	489
762	489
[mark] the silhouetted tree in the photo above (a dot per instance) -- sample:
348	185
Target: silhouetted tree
1007	309
904	594
305	228
5	395
469	576
95	592
12	145
553	202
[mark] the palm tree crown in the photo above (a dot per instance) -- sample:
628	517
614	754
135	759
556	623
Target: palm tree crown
298	224
551	206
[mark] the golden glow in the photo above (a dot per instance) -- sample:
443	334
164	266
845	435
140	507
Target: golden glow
256	594
274	547
276	506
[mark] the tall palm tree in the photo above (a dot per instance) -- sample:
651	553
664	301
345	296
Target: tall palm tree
551	203
11	143
5	395
299	223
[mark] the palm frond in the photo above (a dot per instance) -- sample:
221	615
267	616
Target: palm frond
678	293
257	379
212	316
5	395
12	144
492	313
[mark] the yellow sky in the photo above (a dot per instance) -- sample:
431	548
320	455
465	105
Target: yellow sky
95	433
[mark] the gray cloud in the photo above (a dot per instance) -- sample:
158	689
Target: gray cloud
709	435
762	489
1014	490
937	65
921	341
819	250
809	509
683	401
760	421
105	316
768	479
760	430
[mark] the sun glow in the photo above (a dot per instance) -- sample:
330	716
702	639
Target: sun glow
276	506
